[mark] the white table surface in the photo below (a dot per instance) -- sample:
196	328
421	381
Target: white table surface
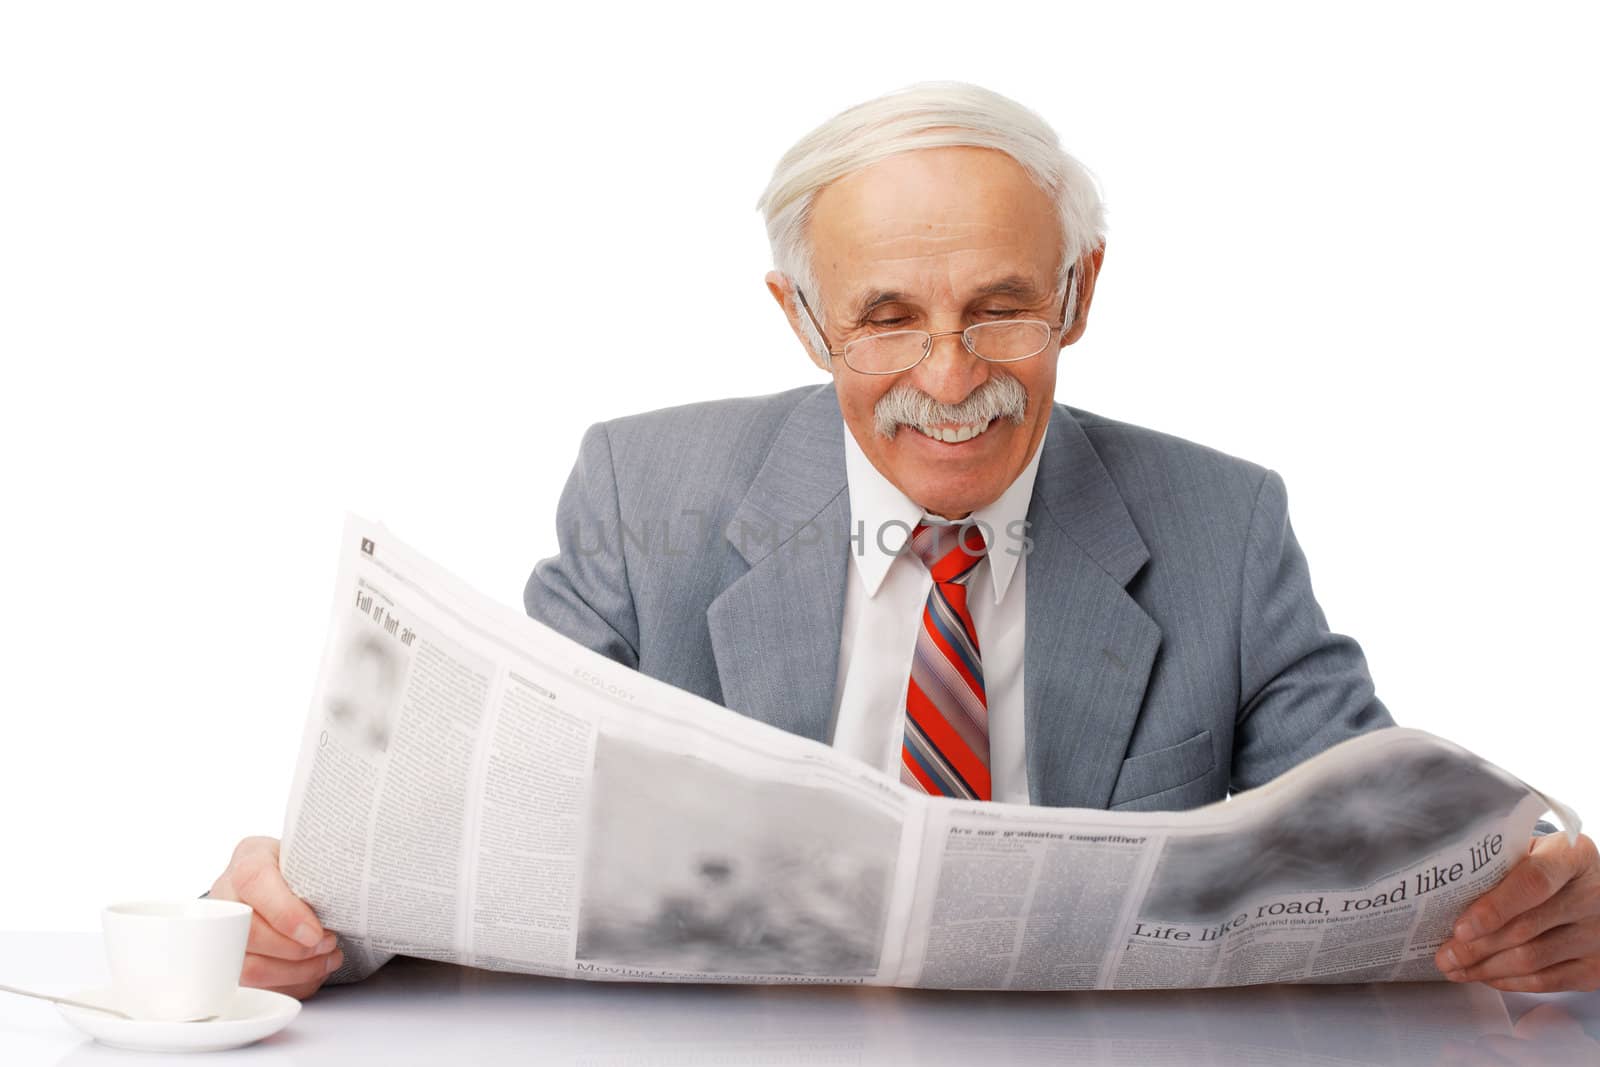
417	1011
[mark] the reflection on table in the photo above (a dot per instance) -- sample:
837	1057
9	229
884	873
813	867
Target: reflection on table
418	1011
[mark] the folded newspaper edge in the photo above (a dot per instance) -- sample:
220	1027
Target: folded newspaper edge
476	788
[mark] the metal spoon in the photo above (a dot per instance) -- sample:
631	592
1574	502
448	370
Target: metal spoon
91	1007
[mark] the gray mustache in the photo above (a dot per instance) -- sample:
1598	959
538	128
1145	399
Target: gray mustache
1001	397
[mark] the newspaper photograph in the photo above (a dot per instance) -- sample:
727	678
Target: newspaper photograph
711	871
476	788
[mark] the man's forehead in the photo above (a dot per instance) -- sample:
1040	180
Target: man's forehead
934	225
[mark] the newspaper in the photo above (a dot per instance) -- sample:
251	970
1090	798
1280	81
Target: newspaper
476	788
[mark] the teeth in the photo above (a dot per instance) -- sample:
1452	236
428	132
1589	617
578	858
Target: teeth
953	436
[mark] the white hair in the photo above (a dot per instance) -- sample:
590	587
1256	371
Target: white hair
924	115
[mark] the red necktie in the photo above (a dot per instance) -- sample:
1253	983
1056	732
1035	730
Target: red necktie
946	747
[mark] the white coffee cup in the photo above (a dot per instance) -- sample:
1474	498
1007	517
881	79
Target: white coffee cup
174	960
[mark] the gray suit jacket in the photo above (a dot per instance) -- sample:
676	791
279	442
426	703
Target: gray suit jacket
1173	648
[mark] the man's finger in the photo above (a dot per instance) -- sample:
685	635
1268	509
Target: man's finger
1572	974
266	941
1534	880
298	992
1569	942
1559	910
264	972
261	886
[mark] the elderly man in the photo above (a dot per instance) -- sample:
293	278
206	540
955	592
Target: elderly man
929	564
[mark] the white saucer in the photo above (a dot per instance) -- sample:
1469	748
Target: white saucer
251	1015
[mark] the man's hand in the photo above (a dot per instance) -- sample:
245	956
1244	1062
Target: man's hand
1538	931
288	951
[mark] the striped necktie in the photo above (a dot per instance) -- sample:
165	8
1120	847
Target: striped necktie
946	746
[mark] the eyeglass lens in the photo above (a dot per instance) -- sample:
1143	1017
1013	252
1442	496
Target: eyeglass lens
998	342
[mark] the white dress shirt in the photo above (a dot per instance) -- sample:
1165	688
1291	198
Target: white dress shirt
883	601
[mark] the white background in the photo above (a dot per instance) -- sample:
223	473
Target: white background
261	264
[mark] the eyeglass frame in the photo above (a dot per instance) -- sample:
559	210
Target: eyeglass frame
927	348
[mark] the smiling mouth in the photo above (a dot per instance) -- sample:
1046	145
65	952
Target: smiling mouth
952	435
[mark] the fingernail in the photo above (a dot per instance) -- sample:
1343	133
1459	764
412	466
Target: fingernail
1450	961
334	961
1456	976
1466	930
306	936
326	944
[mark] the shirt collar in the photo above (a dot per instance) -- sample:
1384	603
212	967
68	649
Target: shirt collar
877	506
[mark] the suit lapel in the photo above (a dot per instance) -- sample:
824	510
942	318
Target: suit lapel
775	629
1089	647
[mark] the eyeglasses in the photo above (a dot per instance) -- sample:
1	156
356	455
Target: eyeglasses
1005	341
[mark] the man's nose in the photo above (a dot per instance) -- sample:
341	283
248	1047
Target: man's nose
950	372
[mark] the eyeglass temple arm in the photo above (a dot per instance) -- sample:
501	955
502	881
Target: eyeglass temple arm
1066	296
827	345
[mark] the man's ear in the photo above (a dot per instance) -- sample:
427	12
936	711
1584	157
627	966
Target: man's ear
782	290
1088	271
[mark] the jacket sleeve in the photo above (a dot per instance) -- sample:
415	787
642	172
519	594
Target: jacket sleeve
1302	688
582	591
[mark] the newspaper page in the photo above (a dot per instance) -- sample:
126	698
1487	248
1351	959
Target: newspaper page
476	788
1351	868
